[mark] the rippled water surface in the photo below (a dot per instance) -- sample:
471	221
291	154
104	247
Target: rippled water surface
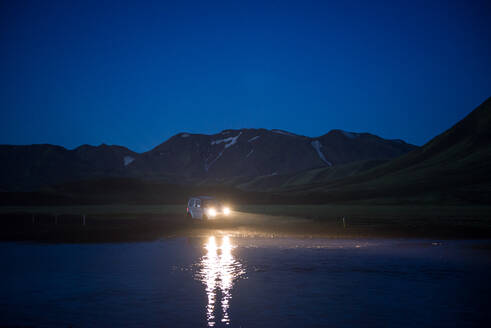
222	280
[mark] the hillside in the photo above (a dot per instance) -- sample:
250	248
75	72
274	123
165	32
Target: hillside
192	158
258	152
314	176
454	166
31	167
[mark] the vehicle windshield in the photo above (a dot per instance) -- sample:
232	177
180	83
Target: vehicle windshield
212	203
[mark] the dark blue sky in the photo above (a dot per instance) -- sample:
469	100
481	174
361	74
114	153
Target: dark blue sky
134	74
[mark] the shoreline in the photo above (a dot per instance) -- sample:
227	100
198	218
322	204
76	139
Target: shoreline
102	229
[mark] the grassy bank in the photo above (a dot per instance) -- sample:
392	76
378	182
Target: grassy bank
467	215
116	210
112	223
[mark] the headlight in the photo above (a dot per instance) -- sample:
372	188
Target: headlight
226	210
211	212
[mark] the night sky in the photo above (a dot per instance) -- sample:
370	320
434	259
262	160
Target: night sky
135	74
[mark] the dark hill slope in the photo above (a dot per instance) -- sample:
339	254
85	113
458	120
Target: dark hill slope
192	158
29	167
315	176
455	165
258	152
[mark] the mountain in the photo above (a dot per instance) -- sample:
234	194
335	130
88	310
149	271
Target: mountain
193	158
271	165
34	166
315	176
258	152
454	166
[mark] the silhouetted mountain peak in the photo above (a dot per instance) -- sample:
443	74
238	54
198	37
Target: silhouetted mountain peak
230	153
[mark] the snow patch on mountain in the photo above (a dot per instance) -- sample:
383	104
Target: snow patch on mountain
229	142
317	146
285	133
184	135
253	138
127	160
350	135
209	165
250	153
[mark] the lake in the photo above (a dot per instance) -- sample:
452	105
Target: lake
220	279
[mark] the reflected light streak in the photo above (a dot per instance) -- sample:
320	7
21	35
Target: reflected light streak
218	271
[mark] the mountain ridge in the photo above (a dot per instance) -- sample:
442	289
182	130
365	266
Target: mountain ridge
187	157
454	165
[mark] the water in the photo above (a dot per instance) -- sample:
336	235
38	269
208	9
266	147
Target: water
219	280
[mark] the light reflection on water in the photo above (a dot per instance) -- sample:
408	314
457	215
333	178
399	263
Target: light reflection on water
218	271
301	283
